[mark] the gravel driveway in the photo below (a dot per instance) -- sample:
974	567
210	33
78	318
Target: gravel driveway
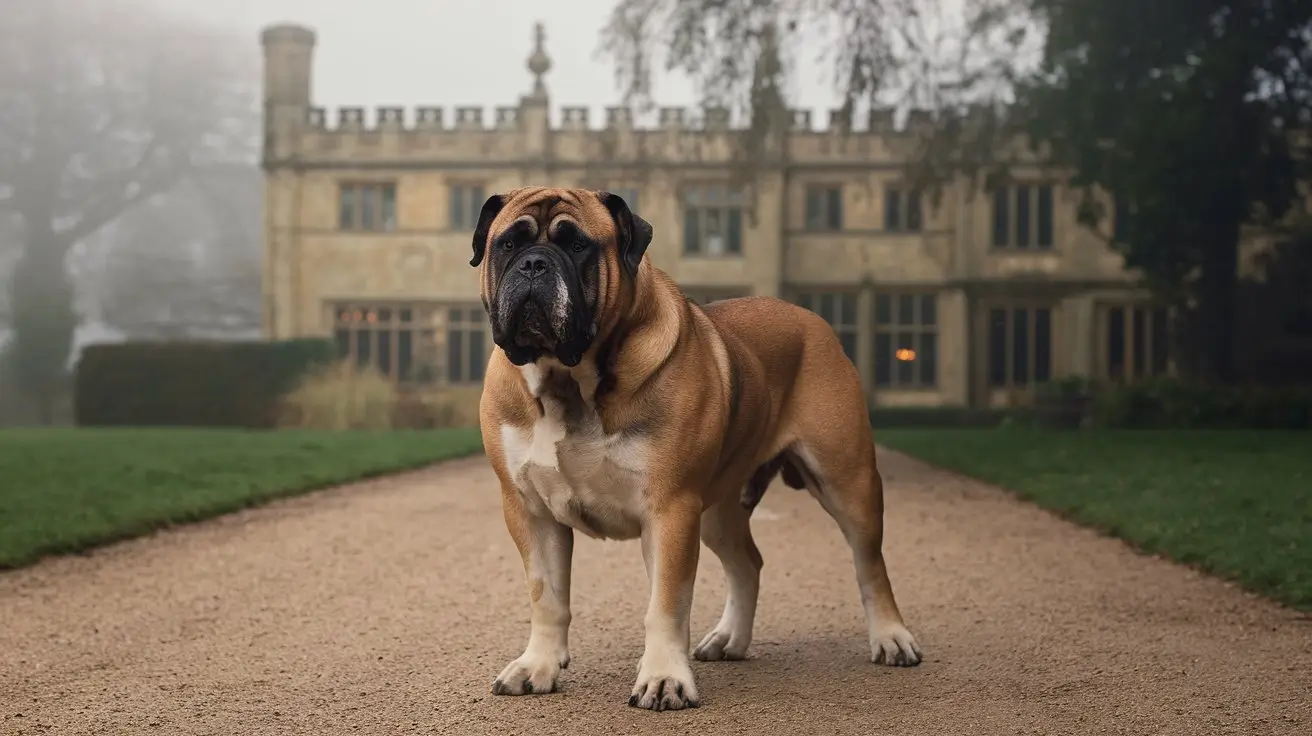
388	607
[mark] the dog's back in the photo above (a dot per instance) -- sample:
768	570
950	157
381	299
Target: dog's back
782	335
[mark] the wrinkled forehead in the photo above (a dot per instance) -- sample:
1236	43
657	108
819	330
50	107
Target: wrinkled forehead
543	209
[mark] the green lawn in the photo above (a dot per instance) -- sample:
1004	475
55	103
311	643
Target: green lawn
64	490
1237	504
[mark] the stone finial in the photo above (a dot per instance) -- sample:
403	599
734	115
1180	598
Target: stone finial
539	63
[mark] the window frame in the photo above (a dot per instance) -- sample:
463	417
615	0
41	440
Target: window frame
1129	372
921	332
457	210
897	218
1033	219
464	321
823	209
381	197
1010	308
393	324
429	328
728	203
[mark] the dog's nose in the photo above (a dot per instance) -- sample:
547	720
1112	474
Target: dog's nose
533	265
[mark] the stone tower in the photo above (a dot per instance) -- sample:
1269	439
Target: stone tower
288	66
288	70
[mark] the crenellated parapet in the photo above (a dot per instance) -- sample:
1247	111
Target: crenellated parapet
468	118
533	130
576	119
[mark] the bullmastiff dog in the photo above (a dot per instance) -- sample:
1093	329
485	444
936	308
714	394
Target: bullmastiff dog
616	407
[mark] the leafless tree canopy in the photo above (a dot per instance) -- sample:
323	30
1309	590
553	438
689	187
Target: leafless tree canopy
104	106
185	264
928	54
108	103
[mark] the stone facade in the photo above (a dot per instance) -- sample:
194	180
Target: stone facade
972	300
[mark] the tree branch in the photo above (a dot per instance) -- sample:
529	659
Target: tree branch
138	183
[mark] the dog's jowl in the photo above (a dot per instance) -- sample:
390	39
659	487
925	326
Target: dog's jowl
616	408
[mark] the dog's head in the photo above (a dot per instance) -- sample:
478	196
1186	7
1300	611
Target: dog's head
554	263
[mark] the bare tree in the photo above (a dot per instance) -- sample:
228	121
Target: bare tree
956	60
186	264
106	104
926	54
10	250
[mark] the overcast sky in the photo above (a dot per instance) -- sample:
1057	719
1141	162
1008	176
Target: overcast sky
458	52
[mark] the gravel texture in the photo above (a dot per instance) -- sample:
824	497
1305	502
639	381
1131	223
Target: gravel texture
388	607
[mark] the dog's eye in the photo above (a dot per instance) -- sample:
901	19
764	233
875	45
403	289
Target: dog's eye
579	246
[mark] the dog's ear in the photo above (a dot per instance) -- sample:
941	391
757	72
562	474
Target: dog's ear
632	233
491	208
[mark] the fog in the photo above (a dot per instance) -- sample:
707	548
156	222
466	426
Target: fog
397	52
384	52
129	193
130	135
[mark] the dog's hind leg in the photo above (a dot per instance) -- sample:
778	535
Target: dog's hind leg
726	530
847	483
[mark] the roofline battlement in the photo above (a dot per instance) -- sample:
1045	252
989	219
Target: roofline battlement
578	119
296	130
424	119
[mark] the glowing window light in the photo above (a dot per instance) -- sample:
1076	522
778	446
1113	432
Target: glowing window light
905	354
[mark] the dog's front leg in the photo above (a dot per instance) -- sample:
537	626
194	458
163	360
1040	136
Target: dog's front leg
670	544
547	547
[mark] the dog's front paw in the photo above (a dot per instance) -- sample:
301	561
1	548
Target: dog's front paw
895	647
664	683
530	674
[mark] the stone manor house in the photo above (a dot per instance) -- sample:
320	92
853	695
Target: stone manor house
971	302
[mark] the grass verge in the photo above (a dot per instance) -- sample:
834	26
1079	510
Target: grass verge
1236	504
65	490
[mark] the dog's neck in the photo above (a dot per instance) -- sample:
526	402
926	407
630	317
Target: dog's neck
624	357
643	340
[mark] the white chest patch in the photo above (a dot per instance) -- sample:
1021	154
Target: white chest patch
571	470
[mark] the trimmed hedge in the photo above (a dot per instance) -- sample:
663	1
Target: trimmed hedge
191	384
1168	403
1158	403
